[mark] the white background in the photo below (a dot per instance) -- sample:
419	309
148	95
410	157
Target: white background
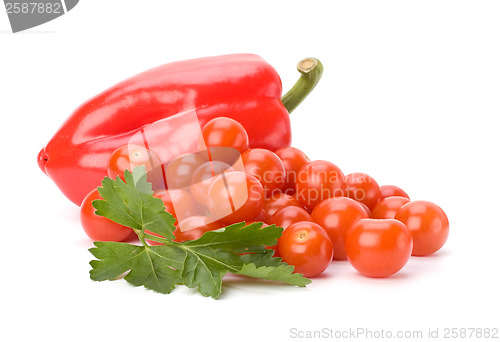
410	95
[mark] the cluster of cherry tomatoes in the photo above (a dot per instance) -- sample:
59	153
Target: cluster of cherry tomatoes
325	214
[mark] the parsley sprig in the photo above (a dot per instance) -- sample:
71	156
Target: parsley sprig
199	264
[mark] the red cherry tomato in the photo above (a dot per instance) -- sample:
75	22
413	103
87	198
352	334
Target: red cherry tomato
127	157
287	216
317	181
179	171
428	225
100	228
378	248
306	246
266	166
235	196
203	177
336	216
194	227
280	200
293	160
179	203
225	132
387	207
363	188
226	139
392	190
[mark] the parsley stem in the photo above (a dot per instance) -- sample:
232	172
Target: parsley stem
153	238
140	235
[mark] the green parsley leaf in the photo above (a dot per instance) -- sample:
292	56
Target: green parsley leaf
282	273
157	268
132	204
199	264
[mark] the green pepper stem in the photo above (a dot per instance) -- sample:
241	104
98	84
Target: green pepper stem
311	71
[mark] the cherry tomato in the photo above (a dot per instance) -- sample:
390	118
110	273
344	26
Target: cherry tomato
226	139
280	200
235	196
378	248
203	177
387	207
179	203
336	215
293	160
428	225
266	166
363	188
392	190
179	171
287	216
100	228
317	181
306	246
194	227
127	157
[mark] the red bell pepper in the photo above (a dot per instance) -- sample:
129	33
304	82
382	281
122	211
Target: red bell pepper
241	86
